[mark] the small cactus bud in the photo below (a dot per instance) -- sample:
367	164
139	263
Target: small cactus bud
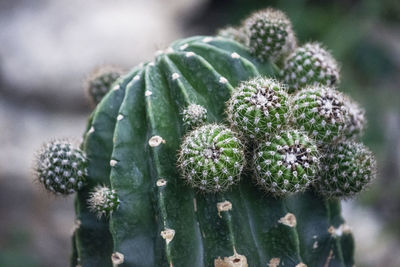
233	33
286	163
356	121
61	168
103	201
211	158
346	169
270	34
321	112
99	82
194	115
258	107
310	65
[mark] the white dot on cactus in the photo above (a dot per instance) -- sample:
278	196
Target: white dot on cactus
223	80
175	76
113	163
189	54
148	93
183	47
91	130
152	64
120	117
235	55
116	87
156	141
207	39
136	78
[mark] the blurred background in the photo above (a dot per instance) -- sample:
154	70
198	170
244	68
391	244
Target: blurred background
48	47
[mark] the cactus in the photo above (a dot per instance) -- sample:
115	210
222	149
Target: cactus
210	162
310	65
60	167
99	82
270	34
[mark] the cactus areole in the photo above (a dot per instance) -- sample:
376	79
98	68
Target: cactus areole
202	158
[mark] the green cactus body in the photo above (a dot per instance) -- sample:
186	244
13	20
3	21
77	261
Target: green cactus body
131	145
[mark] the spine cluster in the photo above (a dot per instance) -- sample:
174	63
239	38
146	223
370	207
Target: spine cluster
194	115
258	107
310	65
346	169
99	82
211	158
270	34
61	168
286	162
103	201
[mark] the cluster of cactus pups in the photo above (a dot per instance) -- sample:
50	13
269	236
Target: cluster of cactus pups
258	133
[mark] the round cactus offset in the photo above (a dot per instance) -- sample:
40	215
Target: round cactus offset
194	115
321	112
258	107
356	121
346	170
99	82
61	168
286	163
103	201
211	158
270	34
310	65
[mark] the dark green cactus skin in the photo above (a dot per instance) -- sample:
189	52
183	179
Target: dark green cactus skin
148	103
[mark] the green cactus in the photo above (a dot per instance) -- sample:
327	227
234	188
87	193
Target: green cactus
186	189
346	169
212	158
103	201
270	34
100	81
258	107
321	112
310	65
194	115
60	167
286	163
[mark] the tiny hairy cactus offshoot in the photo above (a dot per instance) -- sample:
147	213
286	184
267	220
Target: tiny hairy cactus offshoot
311	65
346	169
194	115
211	158
258	107
321	112
287	162
60	167
270	34
103	201
99	82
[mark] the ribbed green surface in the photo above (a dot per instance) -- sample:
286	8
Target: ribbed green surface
149	103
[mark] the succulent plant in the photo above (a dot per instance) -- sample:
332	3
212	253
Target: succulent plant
286	162
258	107
310	65
211	158
321	112
270	34
60	167
346	169
183	199
99	82
103	201
194	115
